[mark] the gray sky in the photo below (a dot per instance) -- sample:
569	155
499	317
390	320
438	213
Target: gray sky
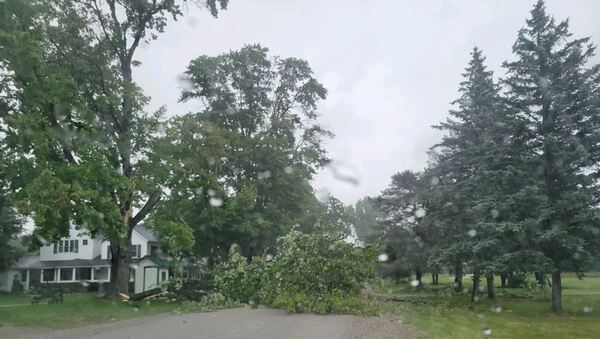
391	67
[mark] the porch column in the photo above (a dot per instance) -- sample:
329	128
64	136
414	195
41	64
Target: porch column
92	276
27	280
42	275
108	275
73	278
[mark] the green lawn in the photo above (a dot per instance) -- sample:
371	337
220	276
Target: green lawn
13	299
447	315
77	310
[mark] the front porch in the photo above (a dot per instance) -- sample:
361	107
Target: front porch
83	275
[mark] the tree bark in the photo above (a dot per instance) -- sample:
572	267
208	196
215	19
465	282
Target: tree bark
434	278
541	279
119	269
491	289
556	292
458	273
475	291
419	275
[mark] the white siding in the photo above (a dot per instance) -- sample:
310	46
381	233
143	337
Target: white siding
136	239
84	252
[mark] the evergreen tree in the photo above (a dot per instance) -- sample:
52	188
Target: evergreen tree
551	89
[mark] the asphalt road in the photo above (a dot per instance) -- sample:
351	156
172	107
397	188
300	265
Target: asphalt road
233	323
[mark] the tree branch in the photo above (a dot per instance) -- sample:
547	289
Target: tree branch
148	206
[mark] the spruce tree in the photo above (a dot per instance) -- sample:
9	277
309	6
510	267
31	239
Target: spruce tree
555	95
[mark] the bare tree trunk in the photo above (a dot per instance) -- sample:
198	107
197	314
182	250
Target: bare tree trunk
419	275
119	270
556	292
541	279
475	291
434	278
458	273
491	290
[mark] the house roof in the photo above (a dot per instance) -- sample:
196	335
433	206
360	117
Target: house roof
158	261
148	234
35	262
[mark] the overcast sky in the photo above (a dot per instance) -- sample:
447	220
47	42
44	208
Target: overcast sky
391	67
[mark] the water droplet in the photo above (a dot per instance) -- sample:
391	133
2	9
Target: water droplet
215	202
264	175
344	173
472	233
420	212
382	257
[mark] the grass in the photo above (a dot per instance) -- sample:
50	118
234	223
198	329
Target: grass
13	299
77	310
440	313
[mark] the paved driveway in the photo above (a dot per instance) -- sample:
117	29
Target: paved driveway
233	323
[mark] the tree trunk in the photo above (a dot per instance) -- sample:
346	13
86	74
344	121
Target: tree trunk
434	278
556	292
119	269
491	290
541	279
419	275
503	279
475	291
458	273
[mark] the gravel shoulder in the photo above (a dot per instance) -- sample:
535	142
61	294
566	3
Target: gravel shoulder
232	323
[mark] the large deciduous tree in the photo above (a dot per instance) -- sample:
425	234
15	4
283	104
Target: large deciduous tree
69	101
248	155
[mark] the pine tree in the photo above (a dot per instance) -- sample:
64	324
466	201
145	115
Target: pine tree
555	95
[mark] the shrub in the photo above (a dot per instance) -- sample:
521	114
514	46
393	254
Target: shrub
17	286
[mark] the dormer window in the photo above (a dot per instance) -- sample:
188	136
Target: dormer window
66	246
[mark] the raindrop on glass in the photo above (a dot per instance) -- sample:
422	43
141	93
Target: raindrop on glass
216	202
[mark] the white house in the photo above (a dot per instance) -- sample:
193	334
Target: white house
80	259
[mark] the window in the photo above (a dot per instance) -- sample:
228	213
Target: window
49	275
154	250
83	273
66	274
23	275
163	276
84	242
136	251
65	246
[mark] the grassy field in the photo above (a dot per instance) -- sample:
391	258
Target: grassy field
77	310
517	313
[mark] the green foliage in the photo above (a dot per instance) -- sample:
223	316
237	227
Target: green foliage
240	279
17	286
212	302
239	170
311	273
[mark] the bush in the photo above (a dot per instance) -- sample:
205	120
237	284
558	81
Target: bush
17	286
